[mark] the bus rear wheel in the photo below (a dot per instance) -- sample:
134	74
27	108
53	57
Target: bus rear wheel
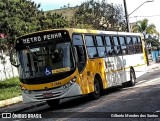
96	94
53	103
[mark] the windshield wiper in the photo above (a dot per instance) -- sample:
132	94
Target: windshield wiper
31	52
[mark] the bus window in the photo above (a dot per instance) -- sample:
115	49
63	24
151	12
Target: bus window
92	52
123	45
137	44
108	41
139	40
89	41
130	46
140	44
128	41
77	40
136	47
101	49
99	41
109	46
117	49
134	40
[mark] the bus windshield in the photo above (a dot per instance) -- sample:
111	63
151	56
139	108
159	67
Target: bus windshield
45	60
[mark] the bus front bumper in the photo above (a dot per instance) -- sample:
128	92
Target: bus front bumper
58	93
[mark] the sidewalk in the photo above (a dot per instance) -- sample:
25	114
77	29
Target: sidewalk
16	104
153	66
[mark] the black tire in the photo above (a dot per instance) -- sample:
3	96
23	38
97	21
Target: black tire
97	90
132	78
53	103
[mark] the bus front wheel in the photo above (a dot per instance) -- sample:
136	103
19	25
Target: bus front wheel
53	103
96	94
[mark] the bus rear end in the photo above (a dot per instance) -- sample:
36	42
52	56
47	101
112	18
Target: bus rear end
46	65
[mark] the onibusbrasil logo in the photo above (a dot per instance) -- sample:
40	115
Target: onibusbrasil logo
14	115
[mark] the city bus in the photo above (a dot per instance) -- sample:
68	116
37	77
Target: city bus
61	63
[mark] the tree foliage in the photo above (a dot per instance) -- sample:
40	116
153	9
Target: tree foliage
144	27
23	16
99	15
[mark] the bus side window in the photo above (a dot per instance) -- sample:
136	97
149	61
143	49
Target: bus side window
139	44
123	45
77	39
109	46
100	46
91	48
129	44
117	48
135	44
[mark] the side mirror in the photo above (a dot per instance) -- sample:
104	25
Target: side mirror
14	58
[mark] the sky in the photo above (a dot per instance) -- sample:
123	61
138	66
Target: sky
149	10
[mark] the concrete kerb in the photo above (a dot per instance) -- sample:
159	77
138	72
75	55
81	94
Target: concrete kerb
10	101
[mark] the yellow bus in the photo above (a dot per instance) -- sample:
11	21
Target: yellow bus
61	63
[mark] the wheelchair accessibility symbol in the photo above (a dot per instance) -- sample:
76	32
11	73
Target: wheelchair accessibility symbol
48	71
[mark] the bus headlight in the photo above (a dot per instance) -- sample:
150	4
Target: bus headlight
71	82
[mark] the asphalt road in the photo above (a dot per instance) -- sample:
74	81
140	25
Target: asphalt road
143	98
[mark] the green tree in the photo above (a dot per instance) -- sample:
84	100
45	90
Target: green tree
99	15
153	41
145	28
23	16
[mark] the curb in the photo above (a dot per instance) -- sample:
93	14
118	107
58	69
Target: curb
10	101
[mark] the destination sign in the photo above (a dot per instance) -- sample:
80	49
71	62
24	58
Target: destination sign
39	37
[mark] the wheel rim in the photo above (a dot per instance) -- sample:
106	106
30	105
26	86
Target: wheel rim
133	78
96	87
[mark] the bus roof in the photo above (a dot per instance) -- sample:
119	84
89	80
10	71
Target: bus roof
87	31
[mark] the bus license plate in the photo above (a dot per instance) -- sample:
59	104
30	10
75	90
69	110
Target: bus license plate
47	95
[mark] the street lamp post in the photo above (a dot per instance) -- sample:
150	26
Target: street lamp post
127	15
127	20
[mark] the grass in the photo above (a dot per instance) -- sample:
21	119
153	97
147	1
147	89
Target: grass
9	88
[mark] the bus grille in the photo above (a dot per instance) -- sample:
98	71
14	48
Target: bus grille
54	94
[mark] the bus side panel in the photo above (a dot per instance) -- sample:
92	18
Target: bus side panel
93	67
136	61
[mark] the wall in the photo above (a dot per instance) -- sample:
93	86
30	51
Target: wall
10	70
